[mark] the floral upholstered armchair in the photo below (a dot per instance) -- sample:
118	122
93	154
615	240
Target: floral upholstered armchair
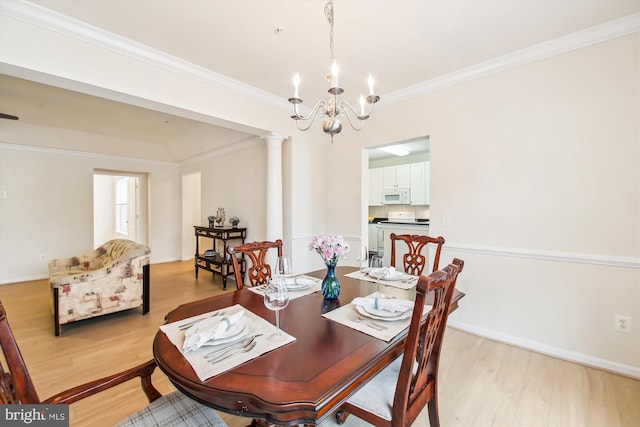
113	277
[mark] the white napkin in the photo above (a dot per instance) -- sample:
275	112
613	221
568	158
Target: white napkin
293	282
208	329
389	304
382	272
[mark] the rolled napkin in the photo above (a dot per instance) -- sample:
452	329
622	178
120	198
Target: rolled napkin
208	329
394	305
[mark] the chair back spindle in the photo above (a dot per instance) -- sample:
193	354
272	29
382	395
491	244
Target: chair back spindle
260	270
414	261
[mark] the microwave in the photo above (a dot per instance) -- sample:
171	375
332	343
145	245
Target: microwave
399	196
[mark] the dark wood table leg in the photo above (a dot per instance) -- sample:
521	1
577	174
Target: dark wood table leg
259	422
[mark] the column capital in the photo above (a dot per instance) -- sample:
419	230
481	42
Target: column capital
273	137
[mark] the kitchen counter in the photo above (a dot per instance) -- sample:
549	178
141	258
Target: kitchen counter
418	221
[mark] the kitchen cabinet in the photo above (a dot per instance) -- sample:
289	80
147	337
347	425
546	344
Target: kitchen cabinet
395	177
420	183
375	187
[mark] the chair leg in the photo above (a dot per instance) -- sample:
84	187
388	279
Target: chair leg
434	416
56	313
145	289
341	416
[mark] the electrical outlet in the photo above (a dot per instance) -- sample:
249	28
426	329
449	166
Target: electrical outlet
3	194
446	219
43	257
622	323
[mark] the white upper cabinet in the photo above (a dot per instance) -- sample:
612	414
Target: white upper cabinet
375	187
414	176
420	183
396	177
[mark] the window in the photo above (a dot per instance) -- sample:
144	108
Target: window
122	203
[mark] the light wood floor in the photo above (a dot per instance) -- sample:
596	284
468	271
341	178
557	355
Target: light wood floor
482	383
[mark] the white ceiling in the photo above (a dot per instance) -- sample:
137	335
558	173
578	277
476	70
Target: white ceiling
402	43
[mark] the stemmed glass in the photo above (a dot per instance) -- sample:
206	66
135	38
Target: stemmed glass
362	258
283	267
276	297
377	263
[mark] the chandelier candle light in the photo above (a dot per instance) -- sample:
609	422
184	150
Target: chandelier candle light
331	248
331	108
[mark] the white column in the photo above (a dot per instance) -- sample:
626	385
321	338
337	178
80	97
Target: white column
275	228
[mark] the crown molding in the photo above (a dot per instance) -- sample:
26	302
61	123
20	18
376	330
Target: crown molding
229	148
597	34
71	27
83	154
40	16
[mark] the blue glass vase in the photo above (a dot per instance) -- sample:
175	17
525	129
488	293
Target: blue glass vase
331	284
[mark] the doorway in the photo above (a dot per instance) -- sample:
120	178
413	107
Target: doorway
390	157
119	207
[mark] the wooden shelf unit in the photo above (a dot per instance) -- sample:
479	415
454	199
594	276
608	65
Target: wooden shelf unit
220	263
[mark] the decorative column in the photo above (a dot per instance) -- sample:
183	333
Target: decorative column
275	229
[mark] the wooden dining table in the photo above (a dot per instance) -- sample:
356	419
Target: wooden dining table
302	382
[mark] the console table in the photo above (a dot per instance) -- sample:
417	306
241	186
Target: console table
220	263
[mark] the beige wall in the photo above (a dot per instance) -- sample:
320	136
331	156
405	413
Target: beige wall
538	167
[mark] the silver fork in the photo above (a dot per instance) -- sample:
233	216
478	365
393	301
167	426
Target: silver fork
370	323
245	342
232	351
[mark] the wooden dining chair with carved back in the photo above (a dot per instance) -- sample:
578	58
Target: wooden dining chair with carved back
396	396
260	270
414	261
17	387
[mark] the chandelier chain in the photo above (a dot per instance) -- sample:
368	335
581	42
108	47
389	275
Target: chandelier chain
328	11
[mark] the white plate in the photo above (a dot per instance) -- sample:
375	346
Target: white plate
237	331
384	313
400	316
378	273
300	283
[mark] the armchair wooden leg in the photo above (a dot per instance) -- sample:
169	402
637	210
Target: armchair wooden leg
145	288
56	312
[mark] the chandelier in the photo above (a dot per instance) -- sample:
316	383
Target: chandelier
331	108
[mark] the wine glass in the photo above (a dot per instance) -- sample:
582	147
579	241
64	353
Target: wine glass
362	258
283	267
378	264
276	297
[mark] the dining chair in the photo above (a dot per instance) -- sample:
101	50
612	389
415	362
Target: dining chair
414	261
396	396
16	387
260	270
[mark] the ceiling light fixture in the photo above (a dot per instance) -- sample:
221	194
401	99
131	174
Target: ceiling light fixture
331	108
395	150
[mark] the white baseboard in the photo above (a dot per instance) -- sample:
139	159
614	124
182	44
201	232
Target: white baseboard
583	359
24	279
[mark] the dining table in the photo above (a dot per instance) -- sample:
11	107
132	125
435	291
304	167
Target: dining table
303	381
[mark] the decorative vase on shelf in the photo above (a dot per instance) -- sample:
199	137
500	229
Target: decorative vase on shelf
331	284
